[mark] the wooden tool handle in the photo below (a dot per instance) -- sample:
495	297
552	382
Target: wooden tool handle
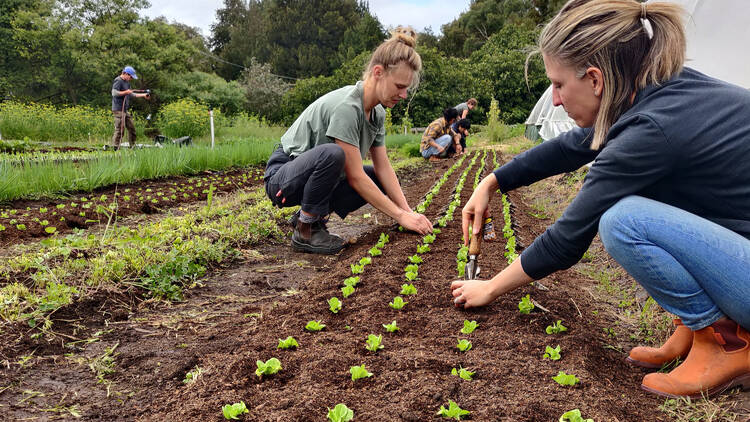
476	242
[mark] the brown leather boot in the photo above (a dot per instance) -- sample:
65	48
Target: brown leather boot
677	346
719	359
314	237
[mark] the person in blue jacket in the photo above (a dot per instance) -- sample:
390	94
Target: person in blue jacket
668	190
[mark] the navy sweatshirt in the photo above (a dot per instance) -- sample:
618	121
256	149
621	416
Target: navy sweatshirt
685	143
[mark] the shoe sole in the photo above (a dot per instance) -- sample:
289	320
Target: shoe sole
302	247
743	381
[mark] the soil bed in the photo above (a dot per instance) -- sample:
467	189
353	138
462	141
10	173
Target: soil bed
244	309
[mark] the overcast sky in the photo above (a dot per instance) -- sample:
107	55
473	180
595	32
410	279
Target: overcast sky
417	13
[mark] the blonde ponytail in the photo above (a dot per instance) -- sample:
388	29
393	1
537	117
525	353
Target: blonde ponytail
396	50
633	44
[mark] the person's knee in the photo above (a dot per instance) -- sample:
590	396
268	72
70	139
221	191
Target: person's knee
333	154
617	220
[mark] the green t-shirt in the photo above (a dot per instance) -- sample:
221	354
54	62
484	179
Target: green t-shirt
336	115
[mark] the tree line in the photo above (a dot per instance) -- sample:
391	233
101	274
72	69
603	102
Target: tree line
267	57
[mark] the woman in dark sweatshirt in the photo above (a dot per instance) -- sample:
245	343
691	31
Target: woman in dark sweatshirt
668	190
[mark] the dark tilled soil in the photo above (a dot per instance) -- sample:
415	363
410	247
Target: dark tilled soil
243	310
22	221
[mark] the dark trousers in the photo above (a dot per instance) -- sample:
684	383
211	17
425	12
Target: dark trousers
313	180
122	121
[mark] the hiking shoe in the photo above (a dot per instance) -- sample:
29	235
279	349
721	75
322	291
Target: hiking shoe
292	221
314	238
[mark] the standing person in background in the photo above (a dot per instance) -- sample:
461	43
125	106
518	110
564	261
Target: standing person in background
669	193
437	137
464	108
319	162
121	94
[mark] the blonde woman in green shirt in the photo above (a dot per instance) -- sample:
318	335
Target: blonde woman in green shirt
319	162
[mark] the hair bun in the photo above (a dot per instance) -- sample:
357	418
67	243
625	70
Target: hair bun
405	34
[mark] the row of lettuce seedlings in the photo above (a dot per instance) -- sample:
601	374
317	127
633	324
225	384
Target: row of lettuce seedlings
526	305
340	412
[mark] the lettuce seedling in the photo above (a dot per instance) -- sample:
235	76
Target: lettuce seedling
334	304
564	379
423	249
410	276
375	251
287	343
357	269
391	328
464	345
574	416
314	326
373	342
436	230
411	268
428	239
347	291
352	281
556	328
469	326
525	306
359	372
398	303
269	367
550	353
452	412
340	413
383	238
365	260
408	289
415	259
231	411
462	373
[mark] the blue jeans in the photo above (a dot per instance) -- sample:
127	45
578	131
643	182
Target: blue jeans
444	141
694	268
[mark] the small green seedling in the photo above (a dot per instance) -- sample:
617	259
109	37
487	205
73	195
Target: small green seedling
288	343
411	268
574	416
525	306
315	326
464	345
391	328
556	328
410	275
352	281
334	304
383	238
453	411
359	372
373	343
408	289
436	230
357	268
365	260
550	353
422	249
375	251
428	239
564	379
462	373
469	326
347	291
415	259
340	413
231	411
269	367
193	375
398	303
